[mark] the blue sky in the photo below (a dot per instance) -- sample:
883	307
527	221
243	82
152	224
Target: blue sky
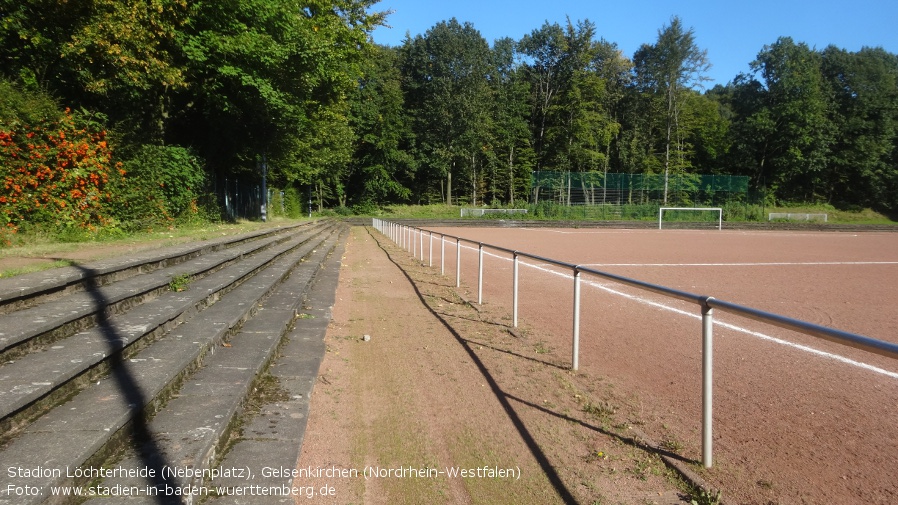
732	32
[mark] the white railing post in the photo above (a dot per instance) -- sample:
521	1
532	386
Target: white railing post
421	240
514	303
575	352
707	384
442	254
430	248
480	275
458	262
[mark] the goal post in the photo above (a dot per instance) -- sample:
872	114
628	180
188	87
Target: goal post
718	210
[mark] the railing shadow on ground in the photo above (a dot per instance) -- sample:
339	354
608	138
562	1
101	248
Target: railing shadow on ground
501	396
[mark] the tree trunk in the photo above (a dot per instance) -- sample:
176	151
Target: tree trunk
449	185
511	176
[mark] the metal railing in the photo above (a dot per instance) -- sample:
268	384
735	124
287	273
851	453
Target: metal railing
408	237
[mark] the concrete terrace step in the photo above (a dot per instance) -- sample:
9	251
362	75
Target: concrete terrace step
273	436
35	376
44	322
195	425
184	347
25	290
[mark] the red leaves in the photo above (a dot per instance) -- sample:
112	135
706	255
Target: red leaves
54	174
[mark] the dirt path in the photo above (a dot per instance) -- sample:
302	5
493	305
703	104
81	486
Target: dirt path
443	387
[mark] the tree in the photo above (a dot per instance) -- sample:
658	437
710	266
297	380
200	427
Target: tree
126	57
546	50
511	151
272	77
861	167
782	125
445	74
381	168
669	69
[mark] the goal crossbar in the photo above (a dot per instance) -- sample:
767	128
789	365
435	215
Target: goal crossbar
712	209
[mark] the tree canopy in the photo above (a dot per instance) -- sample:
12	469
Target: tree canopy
447	116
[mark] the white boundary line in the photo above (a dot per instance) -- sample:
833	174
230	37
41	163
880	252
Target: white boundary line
658	305
761	264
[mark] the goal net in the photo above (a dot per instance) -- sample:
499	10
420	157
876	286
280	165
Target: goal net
692	215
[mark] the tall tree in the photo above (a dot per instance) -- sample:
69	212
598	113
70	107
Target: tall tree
546	49
782	124
670	68
126	56
446	77
382	167
511	151
861	160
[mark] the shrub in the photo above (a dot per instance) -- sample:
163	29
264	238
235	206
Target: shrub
171	172
55	173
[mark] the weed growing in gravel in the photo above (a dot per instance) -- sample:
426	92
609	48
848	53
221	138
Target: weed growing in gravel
705	497
179	283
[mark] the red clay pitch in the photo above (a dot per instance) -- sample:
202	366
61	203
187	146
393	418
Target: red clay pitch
795	417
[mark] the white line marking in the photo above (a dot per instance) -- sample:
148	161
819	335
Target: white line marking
646	301
761	264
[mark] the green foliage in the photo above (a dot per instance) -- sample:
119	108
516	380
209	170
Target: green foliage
443	118
175	171
24	108
705	497
179	283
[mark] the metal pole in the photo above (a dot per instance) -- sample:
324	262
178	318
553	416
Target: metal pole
421	240
514	303
707	384
457	262
480	275
430	248
575	353
414	231
442	254
264	188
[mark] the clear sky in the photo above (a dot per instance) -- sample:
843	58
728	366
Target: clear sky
733	33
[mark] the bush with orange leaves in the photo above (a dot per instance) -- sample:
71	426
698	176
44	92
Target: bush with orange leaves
55	174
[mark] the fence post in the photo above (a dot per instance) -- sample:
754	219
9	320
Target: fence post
514	303
421	240
480	274
707	384
430	248
413	236
442	254
458	262
575	359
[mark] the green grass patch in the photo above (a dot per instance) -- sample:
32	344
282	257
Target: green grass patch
548	211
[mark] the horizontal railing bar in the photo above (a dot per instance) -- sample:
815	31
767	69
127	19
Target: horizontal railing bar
873	345
869	344
647	286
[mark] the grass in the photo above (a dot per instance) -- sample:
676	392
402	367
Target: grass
862	216
735	213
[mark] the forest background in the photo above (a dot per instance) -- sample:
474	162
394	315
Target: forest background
118	116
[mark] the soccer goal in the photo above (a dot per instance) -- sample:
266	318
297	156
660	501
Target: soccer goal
696	210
